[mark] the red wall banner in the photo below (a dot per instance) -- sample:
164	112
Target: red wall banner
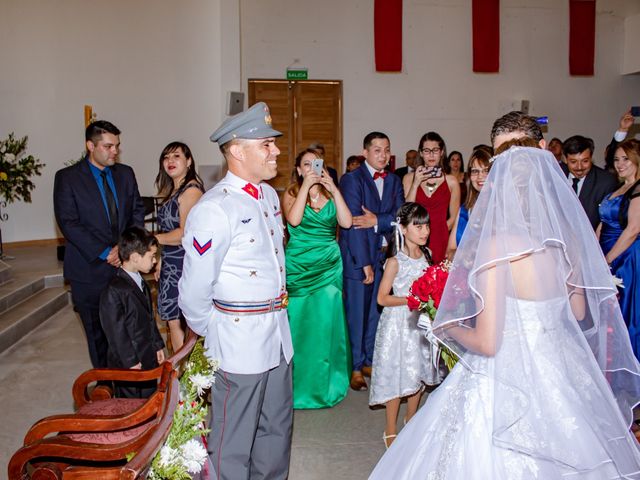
387	27
582	36
486	35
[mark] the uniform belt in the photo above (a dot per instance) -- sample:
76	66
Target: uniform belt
252	308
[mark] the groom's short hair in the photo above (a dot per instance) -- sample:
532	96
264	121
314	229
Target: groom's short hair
516	122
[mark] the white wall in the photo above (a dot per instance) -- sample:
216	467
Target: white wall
631	63
155	68
437	89
161	69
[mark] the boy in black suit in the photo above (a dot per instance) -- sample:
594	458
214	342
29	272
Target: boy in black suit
126	313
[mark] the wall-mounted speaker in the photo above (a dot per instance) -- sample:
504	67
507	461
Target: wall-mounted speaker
236	103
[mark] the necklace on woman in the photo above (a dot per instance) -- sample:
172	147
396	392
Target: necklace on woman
431	187
316	198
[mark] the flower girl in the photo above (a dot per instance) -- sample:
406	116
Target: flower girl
402	355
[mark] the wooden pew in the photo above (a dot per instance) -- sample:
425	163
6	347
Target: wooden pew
95	441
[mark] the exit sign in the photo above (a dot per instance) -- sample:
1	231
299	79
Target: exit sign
297	74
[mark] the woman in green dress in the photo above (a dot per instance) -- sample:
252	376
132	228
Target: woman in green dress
313	208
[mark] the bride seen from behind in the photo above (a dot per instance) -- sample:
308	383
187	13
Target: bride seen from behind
546	381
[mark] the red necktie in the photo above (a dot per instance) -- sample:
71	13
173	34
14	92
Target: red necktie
378	175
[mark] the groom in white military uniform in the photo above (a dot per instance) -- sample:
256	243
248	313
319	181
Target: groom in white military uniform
233	292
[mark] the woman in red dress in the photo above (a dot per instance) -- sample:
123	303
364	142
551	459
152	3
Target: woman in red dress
437	192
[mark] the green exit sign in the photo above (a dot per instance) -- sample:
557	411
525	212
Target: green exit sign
297	74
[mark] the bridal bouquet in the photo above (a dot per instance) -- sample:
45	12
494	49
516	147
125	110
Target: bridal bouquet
424	296
183	454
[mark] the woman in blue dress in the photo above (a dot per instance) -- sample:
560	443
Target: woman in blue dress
618	234
179	187
479	165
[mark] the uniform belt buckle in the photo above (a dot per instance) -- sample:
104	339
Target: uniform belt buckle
284	303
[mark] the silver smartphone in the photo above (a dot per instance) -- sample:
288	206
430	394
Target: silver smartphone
316	166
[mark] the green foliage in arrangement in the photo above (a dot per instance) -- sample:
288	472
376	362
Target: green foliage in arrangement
183	453
16	169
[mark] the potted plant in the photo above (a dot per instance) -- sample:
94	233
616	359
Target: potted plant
16	170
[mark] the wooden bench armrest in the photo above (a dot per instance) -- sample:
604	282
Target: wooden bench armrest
80	389
92	423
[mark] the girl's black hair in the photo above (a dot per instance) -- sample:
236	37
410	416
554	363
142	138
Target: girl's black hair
410	213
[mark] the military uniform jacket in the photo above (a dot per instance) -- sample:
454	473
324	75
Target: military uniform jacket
234	252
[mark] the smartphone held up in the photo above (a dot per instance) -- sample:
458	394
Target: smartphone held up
317	165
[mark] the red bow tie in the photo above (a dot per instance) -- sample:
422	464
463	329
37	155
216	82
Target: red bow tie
378	175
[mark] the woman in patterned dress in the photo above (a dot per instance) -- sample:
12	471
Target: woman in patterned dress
180	187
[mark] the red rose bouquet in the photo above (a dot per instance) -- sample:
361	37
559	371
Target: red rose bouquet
425	295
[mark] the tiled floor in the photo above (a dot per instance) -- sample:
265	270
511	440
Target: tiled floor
36	376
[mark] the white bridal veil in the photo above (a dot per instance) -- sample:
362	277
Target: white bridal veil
529	269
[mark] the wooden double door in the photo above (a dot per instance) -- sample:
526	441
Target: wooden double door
306	112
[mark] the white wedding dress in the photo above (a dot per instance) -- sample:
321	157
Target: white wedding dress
553	396
552	435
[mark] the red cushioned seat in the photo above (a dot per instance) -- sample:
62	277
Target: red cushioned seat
113	406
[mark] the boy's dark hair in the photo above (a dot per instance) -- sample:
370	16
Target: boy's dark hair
368	140
95	130
135	239
577	144
516	122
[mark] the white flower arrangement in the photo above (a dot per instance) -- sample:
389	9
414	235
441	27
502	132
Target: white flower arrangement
193	455
201	382
183	453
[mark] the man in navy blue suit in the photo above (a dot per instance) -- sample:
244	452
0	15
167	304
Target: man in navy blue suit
373	196
94	201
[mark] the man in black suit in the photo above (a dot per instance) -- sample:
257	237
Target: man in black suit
411	161
591	183
94	200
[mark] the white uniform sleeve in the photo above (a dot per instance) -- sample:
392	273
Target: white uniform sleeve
206	239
